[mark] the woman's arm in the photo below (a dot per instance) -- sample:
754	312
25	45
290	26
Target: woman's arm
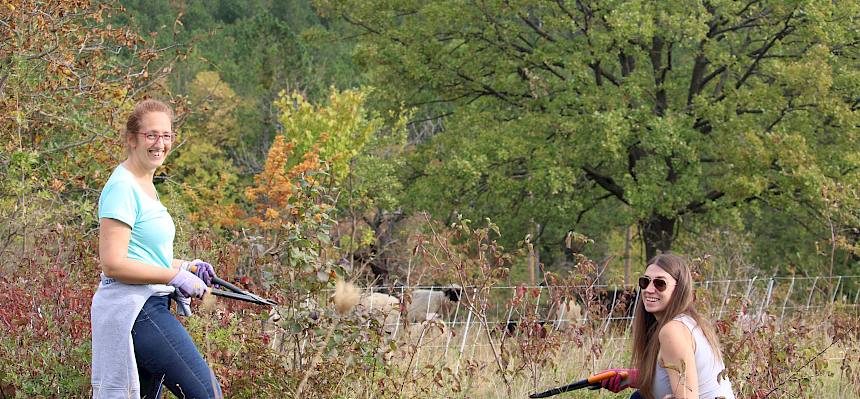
678	357
177	263
114	237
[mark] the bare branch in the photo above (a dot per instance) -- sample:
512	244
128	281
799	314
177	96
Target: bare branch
537	29
785	31
606	182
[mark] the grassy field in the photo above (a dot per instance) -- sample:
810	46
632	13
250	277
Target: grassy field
480	378
808	355
805	357
45	348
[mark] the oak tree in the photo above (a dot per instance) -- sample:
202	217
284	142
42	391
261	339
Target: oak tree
653	112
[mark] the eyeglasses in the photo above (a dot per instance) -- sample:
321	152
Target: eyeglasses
152	137
659	283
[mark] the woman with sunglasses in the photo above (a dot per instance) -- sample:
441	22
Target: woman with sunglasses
138	345
676	353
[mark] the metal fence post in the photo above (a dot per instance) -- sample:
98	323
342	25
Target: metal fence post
463	342
811	291
725	296
766	302
785	301
836	290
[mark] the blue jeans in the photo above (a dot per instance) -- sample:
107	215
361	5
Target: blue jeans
636	395
166	355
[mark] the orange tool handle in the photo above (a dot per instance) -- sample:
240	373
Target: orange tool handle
592	382
605	375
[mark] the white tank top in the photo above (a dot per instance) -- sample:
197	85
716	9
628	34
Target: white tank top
707	365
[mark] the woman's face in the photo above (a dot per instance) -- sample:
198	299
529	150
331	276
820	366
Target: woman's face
654	300
149	153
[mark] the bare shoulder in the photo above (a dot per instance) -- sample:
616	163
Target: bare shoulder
675	336
674	327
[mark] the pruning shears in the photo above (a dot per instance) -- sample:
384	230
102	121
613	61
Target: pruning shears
592	382
235	292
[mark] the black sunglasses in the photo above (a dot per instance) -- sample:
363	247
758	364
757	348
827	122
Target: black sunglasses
659	283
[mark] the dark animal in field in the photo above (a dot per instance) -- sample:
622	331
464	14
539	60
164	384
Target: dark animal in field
613	305
533	328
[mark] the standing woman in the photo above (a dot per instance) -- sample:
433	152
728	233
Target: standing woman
676	353
138	345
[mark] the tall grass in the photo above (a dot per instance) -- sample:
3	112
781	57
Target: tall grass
45	343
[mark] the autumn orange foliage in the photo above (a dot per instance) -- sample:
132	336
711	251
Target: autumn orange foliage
280	192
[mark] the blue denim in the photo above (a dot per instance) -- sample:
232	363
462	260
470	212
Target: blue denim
636	395
166	355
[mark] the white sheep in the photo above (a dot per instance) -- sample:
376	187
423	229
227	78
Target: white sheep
565	314
426	302
425	313
383	308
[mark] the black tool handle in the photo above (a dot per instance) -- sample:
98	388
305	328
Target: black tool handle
233	295
562	389
231	287
592	382
221	282
227	285
240	293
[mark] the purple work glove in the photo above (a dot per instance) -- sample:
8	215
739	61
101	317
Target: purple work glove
201	269
618	383
188	284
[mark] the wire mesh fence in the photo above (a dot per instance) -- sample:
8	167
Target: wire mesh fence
503	309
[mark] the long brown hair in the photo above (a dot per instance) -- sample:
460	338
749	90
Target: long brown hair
646	326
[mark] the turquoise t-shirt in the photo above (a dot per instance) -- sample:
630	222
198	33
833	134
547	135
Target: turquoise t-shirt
152	228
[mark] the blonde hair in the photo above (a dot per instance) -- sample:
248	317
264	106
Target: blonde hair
132	124
646	326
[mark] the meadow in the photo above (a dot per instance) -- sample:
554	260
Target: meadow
812	350
532	153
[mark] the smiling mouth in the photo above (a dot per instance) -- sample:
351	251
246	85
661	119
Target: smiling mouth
157	153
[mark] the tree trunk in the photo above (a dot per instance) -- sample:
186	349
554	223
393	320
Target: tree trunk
627	245
532	257
658	232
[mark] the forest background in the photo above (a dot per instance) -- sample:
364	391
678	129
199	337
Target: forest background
336	138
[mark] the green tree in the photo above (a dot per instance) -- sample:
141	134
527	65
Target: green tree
362	152
259	48
340	128
674	111
207	186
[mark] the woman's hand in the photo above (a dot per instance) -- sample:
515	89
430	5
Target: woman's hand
619	382
188	284
201	269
